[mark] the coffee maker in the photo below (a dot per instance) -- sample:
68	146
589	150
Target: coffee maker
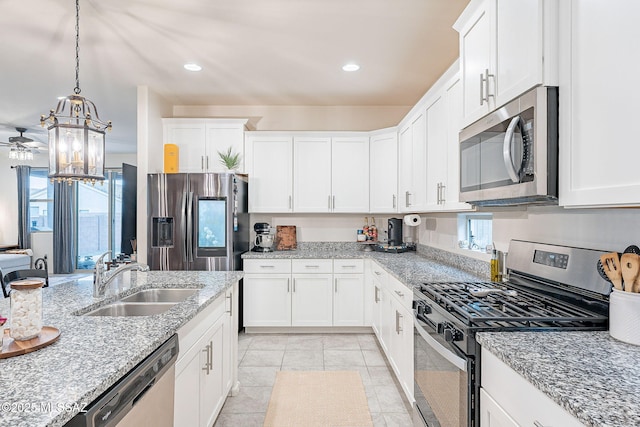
395	232
264	238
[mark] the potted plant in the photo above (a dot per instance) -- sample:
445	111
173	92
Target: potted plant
229	159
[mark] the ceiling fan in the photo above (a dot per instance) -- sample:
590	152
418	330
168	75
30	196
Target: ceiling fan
21	147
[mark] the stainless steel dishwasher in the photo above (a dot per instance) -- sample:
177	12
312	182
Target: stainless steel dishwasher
143	397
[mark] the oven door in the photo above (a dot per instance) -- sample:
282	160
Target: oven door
441	379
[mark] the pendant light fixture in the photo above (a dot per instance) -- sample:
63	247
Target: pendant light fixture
76	134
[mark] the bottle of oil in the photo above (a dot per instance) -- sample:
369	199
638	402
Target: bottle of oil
495	266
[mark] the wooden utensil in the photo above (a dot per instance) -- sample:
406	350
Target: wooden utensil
611	265
630	266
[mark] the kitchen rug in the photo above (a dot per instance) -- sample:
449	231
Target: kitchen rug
318	399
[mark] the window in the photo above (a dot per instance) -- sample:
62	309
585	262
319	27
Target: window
40	200
475	231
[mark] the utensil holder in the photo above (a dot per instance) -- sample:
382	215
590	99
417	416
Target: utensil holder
624	316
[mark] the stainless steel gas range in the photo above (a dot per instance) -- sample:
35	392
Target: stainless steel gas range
549	287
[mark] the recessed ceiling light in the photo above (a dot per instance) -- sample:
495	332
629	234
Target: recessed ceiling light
191	66
351	67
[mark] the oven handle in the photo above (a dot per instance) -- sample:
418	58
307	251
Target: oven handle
507	152
452	358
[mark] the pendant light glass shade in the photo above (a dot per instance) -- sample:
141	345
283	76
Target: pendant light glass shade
76	134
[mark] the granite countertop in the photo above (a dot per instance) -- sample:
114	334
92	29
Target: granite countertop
49	386
411	268
594	377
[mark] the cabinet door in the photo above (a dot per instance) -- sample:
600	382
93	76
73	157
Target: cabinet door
518	48
211	377
450	193
350	174
311	300
311	174
348	300
190	138
476	49
186	412
269	163
406	167
491	414
418	197
221	136
377	310
267	300
383	155
598	155
436	152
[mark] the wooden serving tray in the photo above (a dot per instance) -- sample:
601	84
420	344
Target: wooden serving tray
11	347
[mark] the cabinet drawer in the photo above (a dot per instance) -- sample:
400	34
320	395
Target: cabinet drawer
311	266
267	266
348	266
379	274
401	292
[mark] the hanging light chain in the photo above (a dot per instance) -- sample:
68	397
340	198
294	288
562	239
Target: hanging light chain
76	90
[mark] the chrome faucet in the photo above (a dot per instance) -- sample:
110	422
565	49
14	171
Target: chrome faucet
102	278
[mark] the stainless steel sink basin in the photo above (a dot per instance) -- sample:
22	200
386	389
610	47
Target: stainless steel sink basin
120	309
160	295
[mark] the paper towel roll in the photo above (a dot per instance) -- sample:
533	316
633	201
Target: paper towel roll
412	220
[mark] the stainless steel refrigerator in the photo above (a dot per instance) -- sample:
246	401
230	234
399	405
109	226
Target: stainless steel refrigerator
197	221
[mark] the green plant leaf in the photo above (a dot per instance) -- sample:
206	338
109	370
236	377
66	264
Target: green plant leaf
229	159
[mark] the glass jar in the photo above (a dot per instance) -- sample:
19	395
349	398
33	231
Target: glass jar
26	309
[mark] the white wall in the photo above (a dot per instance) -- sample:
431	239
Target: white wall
302	117
605	229
151	109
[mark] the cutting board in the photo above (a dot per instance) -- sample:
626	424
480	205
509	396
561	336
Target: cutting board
286	239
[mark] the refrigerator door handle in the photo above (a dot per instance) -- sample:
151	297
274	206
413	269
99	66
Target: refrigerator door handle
183	224
190	226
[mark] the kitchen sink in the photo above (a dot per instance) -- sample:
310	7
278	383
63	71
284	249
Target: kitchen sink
160	295
122	309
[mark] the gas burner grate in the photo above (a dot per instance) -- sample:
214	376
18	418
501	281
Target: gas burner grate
525	309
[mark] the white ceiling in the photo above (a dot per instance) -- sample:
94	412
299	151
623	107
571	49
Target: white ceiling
253	52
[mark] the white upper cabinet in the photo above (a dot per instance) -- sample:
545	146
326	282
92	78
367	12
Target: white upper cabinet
200	140
331	174
413	171
506	48
269	161
598	153
350	174
312	174
383	175
436	151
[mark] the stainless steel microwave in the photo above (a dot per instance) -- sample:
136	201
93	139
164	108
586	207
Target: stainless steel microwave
510	157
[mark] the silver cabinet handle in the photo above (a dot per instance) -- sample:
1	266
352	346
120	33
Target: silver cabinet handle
407	195
211	355
400	294
202	162
376	296
311	266
537	423
377	273
335	285
334	202
230	298
290	202
348	266
398	322
208	364
329	197
288	288
207	162
394	201
267	266
438	194
294	285
442	198
484	80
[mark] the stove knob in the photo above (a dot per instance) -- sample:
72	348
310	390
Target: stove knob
424	309
451	334
441	328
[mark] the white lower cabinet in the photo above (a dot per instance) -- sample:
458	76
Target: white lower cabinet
393	324
507	399
205	372
304	293
311	300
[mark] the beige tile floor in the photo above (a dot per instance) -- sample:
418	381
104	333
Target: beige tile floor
261	356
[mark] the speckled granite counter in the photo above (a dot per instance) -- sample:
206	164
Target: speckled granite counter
411	268
49	386
593	376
